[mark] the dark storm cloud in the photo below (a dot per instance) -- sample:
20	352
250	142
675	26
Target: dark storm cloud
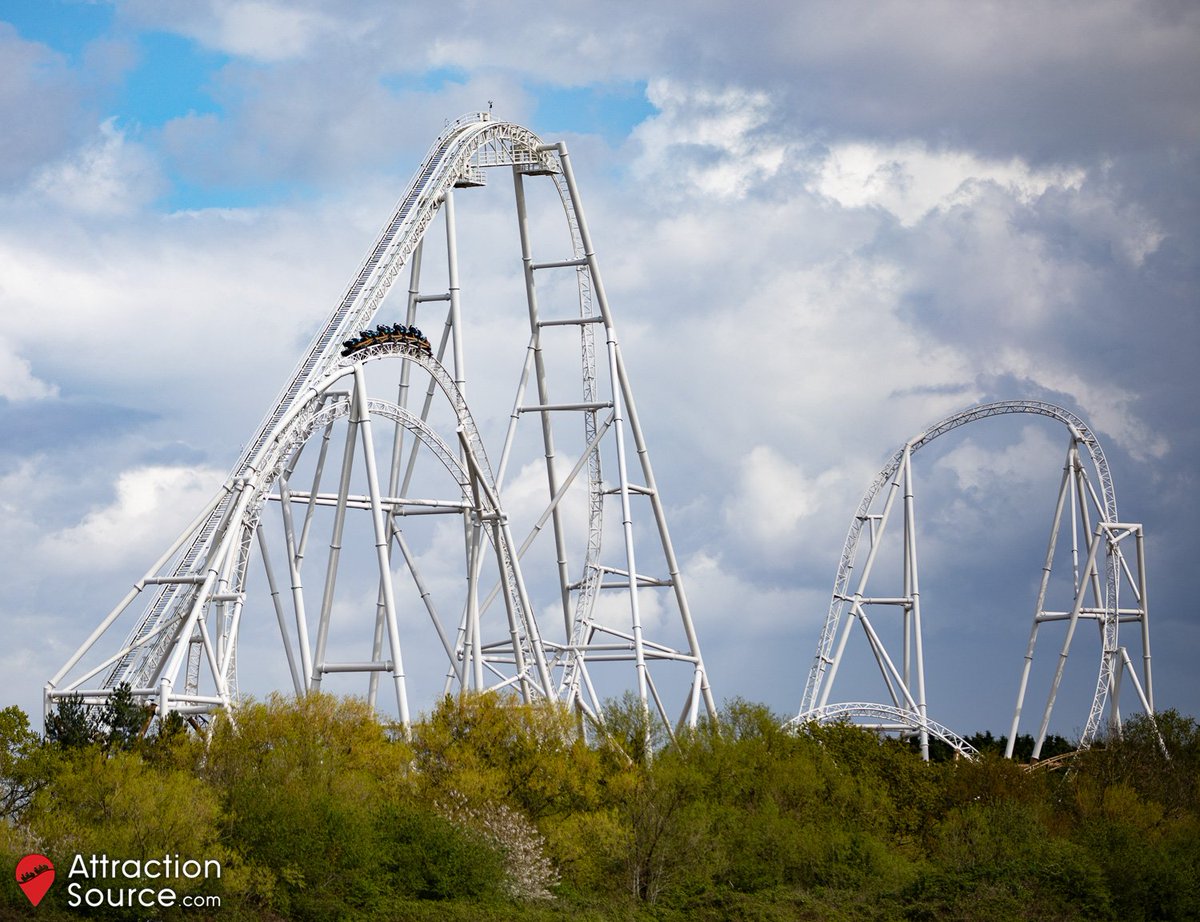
1049	82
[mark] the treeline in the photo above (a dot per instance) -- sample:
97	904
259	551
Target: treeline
494	810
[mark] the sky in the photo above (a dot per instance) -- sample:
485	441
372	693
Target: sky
822	227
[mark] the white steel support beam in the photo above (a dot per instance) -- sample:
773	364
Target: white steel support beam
1091	511
1069	473
539	370
643	453
381	546
335	549
202	597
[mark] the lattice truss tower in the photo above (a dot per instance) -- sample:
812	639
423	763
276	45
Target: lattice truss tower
365	520
1106	586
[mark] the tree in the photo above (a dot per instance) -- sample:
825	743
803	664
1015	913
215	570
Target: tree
18	750
116	804
124	719
490	749
72	724
303	785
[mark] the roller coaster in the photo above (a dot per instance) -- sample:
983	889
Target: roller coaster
421	579
387	333
1100	575
395	588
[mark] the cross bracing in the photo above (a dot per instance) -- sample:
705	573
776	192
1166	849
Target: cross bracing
1101	573
338	460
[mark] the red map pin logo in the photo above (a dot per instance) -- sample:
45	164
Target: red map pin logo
35	874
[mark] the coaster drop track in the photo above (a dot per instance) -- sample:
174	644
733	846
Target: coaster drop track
251	557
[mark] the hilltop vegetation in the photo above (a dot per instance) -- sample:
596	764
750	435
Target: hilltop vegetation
493	810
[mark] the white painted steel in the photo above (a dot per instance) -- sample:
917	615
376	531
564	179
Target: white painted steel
193	619
1104	536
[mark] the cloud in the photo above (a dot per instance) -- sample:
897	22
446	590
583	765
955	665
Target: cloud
260	30
267	31
39	105
296	123
109	175
910	180
773	502
1107	409
743	620
17	381
151	506
706	140
1054	84
976	467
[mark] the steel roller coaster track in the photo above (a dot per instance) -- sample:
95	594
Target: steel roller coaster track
180	652
1097	585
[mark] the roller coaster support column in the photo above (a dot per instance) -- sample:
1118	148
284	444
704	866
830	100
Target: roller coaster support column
856	601
639	650
335	549
1070	467
1098	537
701	677
535	346
1145	608
912	592
382	545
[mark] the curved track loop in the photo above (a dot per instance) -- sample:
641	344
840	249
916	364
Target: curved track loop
465	146
318	411
893	717
813	708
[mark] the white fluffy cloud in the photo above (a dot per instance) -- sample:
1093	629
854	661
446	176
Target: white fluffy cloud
706	141
976	467
152	504
773	502
110	175
909	180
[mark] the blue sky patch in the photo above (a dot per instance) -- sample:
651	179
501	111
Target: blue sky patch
609	109
193	196
171	80
64	25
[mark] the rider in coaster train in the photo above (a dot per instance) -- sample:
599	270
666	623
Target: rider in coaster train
398	332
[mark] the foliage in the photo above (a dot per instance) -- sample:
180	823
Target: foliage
528	871
124	720
429	857
490	749
120	724
72	724
18	751
493	809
